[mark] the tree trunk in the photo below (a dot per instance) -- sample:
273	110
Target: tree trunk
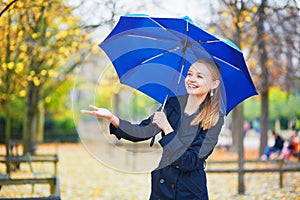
264	122
237	114
237	131
30	118
7	102
40	122
264	86
7	133
235	128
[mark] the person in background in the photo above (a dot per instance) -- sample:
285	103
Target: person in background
291	149
275	149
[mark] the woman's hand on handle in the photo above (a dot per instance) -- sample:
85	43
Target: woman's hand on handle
162	122
102	113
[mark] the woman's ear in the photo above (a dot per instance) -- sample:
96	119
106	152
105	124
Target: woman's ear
216	83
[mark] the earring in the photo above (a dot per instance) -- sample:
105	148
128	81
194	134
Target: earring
211	93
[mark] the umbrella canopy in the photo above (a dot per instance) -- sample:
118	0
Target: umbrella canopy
153	56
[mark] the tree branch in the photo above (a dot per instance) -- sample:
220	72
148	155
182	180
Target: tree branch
7	7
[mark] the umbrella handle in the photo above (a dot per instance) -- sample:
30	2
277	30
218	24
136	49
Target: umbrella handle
162	109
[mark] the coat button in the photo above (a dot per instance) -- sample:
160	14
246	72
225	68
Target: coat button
177	167
162	180
173	186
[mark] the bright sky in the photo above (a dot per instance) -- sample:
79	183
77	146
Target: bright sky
195	9
191	8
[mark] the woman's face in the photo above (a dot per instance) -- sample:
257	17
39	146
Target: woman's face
199	80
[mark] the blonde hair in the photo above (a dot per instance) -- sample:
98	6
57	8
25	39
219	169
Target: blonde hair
209	115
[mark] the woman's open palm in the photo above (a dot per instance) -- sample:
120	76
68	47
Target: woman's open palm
98	112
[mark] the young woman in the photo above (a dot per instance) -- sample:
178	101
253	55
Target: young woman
190	126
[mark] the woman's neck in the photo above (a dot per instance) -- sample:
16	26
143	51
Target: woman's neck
193	103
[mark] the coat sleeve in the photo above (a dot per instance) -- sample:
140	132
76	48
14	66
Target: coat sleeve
188	156
142	131
134	132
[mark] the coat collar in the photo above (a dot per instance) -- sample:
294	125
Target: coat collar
178	103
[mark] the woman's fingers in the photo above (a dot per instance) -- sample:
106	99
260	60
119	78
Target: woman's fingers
93	107
89	112
159	118
98	112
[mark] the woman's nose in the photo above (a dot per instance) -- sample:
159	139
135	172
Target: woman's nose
191	78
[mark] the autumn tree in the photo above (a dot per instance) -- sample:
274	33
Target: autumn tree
12	69
252	26
235	26
43	44
277	56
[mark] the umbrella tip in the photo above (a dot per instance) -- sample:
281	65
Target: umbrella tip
187	18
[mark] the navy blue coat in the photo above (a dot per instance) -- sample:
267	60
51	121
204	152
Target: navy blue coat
180	174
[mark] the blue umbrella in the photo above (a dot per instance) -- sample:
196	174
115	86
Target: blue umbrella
153	56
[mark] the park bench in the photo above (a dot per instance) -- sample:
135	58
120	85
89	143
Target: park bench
31	159
52	181
282	166
47	176
3	177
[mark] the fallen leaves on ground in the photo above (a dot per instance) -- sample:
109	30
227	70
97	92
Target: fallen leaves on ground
83	177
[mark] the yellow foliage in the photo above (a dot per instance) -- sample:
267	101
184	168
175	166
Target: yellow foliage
52	73
245	13
23	47
255	9
48	99
62	50
252	63
32	73
61	35
35	35
77	31
29	78
10	65
49	62
12	97
19	68
265	37
12	47
74	44
241	24
224	14
3	96
44	72
211	30
20	33
36	81
4	66
20	4
248	19
242	44
22	55
22	93
45	4
48	34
